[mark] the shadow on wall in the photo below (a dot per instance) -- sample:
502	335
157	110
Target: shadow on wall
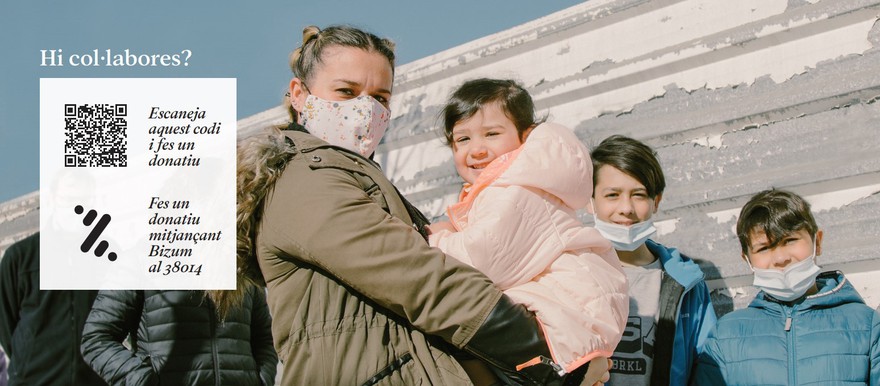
722	303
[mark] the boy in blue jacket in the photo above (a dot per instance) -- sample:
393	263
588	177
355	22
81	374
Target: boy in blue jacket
803	327
670	310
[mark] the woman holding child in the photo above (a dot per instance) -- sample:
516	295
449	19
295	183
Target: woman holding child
356	294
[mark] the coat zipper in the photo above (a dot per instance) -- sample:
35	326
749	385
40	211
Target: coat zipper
214	353
792	376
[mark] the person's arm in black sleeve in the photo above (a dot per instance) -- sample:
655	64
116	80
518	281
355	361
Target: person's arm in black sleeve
10	296
107	326
261	338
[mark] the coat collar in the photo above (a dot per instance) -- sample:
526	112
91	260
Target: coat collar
306	142
834	290
681	268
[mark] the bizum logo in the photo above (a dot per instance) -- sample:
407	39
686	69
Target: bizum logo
95	233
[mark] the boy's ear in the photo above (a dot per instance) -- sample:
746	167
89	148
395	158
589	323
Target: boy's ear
819	242
745	258
657	202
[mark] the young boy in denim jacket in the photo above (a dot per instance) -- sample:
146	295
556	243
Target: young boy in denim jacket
804	327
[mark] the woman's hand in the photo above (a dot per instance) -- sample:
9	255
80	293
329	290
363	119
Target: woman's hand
441	225
597	373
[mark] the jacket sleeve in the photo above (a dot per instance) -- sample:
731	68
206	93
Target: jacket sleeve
875	350
105	329
505	225
10	298
324	219
708	320
261	338
707	371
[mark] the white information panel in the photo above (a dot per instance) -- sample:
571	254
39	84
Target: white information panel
137	183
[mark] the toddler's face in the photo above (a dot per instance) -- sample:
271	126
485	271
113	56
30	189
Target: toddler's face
621	199
792	248
478	140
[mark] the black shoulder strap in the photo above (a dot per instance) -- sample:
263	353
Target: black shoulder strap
670	295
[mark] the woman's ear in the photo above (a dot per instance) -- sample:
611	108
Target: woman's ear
298	94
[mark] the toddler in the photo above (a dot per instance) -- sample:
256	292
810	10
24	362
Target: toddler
516	221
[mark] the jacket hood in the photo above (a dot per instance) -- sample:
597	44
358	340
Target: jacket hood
834	290
554	160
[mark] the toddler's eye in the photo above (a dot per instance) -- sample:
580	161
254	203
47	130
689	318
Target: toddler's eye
461	139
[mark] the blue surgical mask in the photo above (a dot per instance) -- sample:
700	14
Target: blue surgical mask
790	283
626	238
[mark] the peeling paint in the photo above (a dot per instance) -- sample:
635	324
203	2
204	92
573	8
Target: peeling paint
840	198
712	142
725	216
666	227
818	202
736	97
734	292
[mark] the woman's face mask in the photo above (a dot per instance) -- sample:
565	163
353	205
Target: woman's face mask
356	124
347	97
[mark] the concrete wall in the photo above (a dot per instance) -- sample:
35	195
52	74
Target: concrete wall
19	218
736	96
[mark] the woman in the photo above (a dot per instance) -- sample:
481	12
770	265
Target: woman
357	296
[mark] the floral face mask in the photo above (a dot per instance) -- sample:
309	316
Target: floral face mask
356	124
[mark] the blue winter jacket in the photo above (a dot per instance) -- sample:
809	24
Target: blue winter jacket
686	316
829	338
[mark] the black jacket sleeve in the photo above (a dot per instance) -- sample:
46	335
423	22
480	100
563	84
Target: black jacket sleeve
261	338
10	295
511	340
106	327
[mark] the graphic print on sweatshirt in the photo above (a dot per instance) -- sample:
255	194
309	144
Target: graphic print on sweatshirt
633	358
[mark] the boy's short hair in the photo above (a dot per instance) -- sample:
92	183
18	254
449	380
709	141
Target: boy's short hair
777	213
632	157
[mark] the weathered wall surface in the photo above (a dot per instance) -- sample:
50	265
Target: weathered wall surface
736	96
19	218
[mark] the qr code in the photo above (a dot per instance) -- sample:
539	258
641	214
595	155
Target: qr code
95	135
